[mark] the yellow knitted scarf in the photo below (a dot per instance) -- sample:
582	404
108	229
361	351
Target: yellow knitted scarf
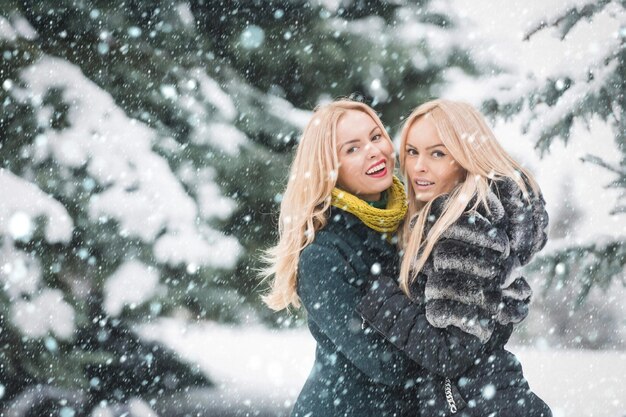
382	220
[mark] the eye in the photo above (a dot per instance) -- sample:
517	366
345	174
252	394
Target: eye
438	154
411	152
376	138
352	149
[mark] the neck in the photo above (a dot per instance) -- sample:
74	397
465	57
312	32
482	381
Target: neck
370	198
365	197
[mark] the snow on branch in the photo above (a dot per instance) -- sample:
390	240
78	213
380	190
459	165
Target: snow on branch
568	16
22	203
600	162
139	190
545	120
45	313
16	27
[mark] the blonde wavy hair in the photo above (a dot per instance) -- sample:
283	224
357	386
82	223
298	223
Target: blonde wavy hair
473	146
307	197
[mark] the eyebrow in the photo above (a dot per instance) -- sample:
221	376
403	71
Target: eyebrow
429	147
357	140
349	142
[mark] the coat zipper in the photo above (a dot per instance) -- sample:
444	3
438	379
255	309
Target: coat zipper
449	397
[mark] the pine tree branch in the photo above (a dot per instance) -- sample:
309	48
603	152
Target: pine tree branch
596	160
569	18
618	210
596	264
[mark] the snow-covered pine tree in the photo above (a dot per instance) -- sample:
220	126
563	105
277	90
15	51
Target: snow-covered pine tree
107	220
550	105
91	217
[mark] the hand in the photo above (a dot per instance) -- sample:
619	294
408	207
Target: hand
515	300
527	219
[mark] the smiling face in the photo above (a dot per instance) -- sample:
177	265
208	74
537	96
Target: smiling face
430	168
366	157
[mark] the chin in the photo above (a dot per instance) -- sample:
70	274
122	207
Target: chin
423	198
379	186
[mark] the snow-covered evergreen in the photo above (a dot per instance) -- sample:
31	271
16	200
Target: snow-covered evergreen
586	89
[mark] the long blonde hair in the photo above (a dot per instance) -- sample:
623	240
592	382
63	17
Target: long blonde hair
312	177
473	146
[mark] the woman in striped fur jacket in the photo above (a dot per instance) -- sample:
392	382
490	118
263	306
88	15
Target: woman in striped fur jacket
474	217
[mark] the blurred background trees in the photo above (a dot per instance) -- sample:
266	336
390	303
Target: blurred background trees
551	106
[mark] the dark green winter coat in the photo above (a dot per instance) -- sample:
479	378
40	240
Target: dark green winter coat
357	372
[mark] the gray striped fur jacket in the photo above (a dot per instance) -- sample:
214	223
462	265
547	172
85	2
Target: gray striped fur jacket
493	246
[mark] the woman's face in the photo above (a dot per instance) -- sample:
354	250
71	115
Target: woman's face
366	157
431	169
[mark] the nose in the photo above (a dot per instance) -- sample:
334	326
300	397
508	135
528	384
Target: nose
420	164
373	151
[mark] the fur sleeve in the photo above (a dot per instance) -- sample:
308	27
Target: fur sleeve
463	285
473	280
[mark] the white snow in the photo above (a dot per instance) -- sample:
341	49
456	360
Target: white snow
252	37
542	15
223	136
16	26
44	314
214	94
249	364
22	202
212	203
254	367
131	284
185	14
135	407
211	113
6	30
543	118
23	27
139	408
284	110
576	383
20	226
20	272
141	193
102	411
209	248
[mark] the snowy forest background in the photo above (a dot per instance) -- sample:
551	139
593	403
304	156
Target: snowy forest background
144	146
